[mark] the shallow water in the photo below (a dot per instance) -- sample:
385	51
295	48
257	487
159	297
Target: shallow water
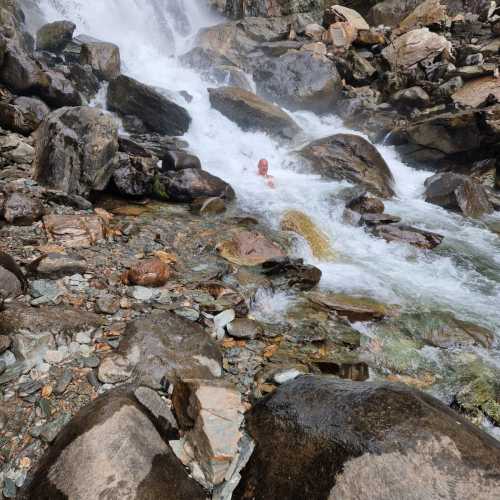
462	275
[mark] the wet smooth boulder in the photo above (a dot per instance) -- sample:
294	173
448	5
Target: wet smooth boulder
189	184
55	36
127	96
103	58
300	80
408	234
366	441
160	348
301	224
286	273
251	112
76	150
115	446
352	158
458	192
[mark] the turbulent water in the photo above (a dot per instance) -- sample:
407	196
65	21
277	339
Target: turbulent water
462	275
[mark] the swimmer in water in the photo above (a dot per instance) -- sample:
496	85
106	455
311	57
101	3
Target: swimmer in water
263	171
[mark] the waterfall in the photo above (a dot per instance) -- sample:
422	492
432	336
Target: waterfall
462	275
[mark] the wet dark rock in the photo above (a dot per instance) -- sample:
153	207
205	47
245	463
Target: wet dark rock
251	112
458	192
289	273
363	440
134	175
179	160
84	80
364	204
353	158
408	234
191	183
63	381
299	80
127	96
103	58
413	97
76	150
379	219
118	431
55	36
57	90
162	346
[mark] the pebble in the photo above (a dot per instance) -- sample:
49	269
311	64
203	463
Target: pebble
49	431
223	319
8	358
91	361
107	304
188	313
44	291
244	328
29	388
54	357
92	379
142	294
83	337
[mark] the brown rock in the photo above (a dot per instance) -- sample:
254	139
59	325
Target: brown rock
416	46
74	230
211	413
149	272
104	59
249	248
408	234
474	92
428	13
339	13
366	205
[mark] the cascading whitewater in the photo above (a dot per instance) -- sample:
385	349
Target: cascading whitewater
462	275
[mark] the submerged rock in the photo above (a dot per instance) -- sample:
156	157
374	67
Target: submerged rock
286	273
251	112
364	440
249	248
352	308
113	446
300	223
353	158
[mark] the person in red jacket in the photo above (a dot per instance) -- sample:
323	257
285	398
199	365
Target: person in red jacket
263	171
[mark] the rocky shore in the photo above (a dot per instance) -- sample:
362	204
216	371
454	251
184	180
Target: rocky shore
138	355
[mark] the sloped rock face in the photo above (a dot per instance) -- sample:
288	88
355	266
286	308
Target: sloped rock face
112	449
352	158
363	440
300	80
160	348
127	96
103	58
76	150
251	112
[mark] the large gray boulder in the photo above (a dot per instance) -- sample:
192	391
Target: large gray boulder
251	112
76	150
364	441
300	80
160	348
351	157
114	448
127	96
